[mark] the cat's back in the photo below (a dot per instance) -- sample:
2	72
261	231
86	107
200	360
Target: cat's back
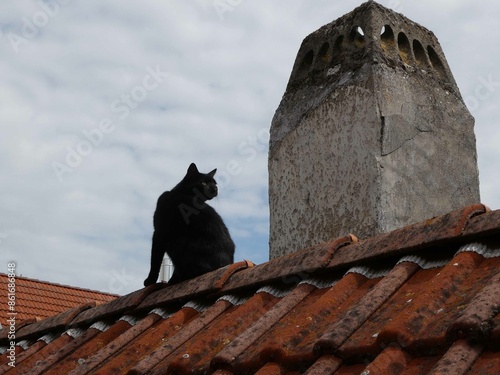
174	207
165	201
165	209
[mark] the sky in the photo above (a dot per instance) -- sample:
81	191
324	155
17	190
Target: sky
103	106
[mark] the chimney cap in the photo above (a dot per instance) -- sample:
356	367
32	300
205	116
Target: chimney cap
372	34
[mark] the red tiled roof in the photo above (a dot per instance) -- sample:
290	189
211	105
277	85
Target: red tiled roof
35	299
423	299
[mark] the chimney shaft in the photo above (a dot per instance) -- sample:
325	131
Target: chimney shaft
371	134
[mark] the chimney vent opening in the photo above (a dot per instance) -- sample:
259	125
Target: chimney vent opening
337	49
420	55
306	63
357	37
436	62
404	48
386	38
324	56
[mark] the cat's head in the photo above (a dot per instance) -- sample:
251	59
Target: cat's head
203	183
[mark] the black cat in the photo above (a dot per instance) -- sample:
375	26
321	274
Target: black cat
189	230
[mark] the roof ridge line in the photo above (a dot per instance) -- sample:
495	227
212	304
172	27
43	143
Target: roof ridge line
402	241
347	251
56	322
210	284
469	213
291	268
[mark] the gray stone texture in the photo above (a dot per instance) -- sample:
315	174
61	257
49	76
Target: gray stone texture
371	134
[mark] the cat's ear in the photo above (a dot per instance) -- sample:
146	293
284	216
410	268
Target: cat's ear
192	169
212	174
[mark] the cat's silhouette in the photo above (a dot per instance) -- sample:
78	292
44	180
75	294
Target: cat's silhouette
190	231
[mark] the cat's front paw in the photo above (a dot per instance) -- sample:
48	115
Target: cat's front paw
149	281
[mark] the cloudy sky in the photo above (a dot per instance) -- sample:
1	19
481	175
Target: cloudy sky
103	105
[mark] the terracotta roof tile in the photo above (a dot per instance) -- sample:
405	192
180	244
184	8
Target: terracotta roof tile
53	346
476	320
271	368
458	359
93	360
116	307
206	284
425	318
351	369
420	365
478	227
240	345
357	314
424	299
144	345
487	364
291	340
53	324
443	229
223	372
289	268
151	361
84	347
52	364
494	339
4	332
24	354
326	364
235	321
391	361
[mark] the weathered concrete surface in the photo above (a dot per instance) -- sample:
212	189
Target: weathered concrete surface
371	134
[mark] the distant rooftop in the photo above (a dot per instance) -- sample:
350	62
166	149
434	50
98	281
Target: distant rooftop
38	300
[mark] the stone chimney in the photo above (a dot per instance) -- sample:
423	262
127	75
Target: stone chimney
371	135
